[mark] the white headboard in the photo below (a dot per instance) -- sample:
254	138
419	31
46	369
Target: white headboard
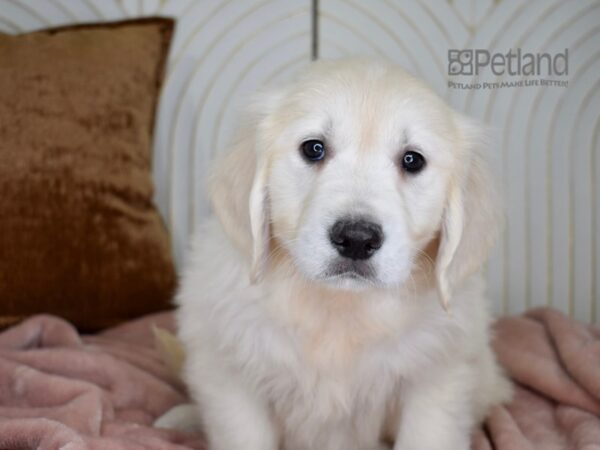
547	139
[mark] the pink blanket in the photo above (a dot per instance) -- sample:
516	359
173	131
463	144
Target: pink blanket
555	364
62	390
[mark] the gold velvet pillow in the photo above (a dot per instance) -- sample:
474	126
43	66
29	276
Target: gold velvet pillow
79	234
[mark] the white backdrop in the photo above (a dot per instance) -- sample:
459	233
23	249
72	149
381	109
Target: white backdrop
547	139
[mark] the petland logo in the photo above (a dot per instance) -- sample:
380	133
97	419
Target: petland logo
514	63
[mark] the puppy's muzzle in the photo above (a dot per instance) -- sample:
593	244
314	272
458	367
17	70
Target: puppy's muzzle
356	239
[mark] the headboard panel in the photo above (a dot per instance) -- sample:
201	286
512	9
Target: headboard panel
547	139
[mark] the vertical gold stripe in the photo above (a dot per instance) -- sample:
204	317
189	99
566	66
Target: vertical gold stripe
595	224
512	113
506	268
582	107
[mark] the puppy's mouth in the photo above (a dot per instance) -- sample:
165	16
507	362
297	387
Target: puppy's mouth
346	269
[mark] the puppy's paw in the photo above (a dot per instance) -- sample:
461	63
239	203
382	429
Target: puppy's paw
181	418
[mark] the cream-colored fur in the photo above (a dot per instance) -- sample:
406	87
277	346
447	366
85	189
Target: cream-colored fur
281	356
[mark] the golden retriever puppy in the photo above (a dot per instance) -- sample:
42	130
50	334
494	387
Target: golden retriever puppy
334	303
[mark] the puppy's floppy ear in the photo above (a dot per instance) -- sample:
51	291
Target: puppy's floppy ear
472	218
238	186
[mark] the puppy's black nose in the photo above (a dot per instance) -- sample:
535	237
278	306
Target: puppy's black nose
356	239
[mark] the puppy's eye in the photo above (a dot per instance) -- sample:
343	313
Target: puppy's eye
313	150
413	162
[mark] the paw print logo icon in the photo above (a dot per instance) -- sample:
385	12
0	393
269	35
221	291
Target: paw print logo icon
460	62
